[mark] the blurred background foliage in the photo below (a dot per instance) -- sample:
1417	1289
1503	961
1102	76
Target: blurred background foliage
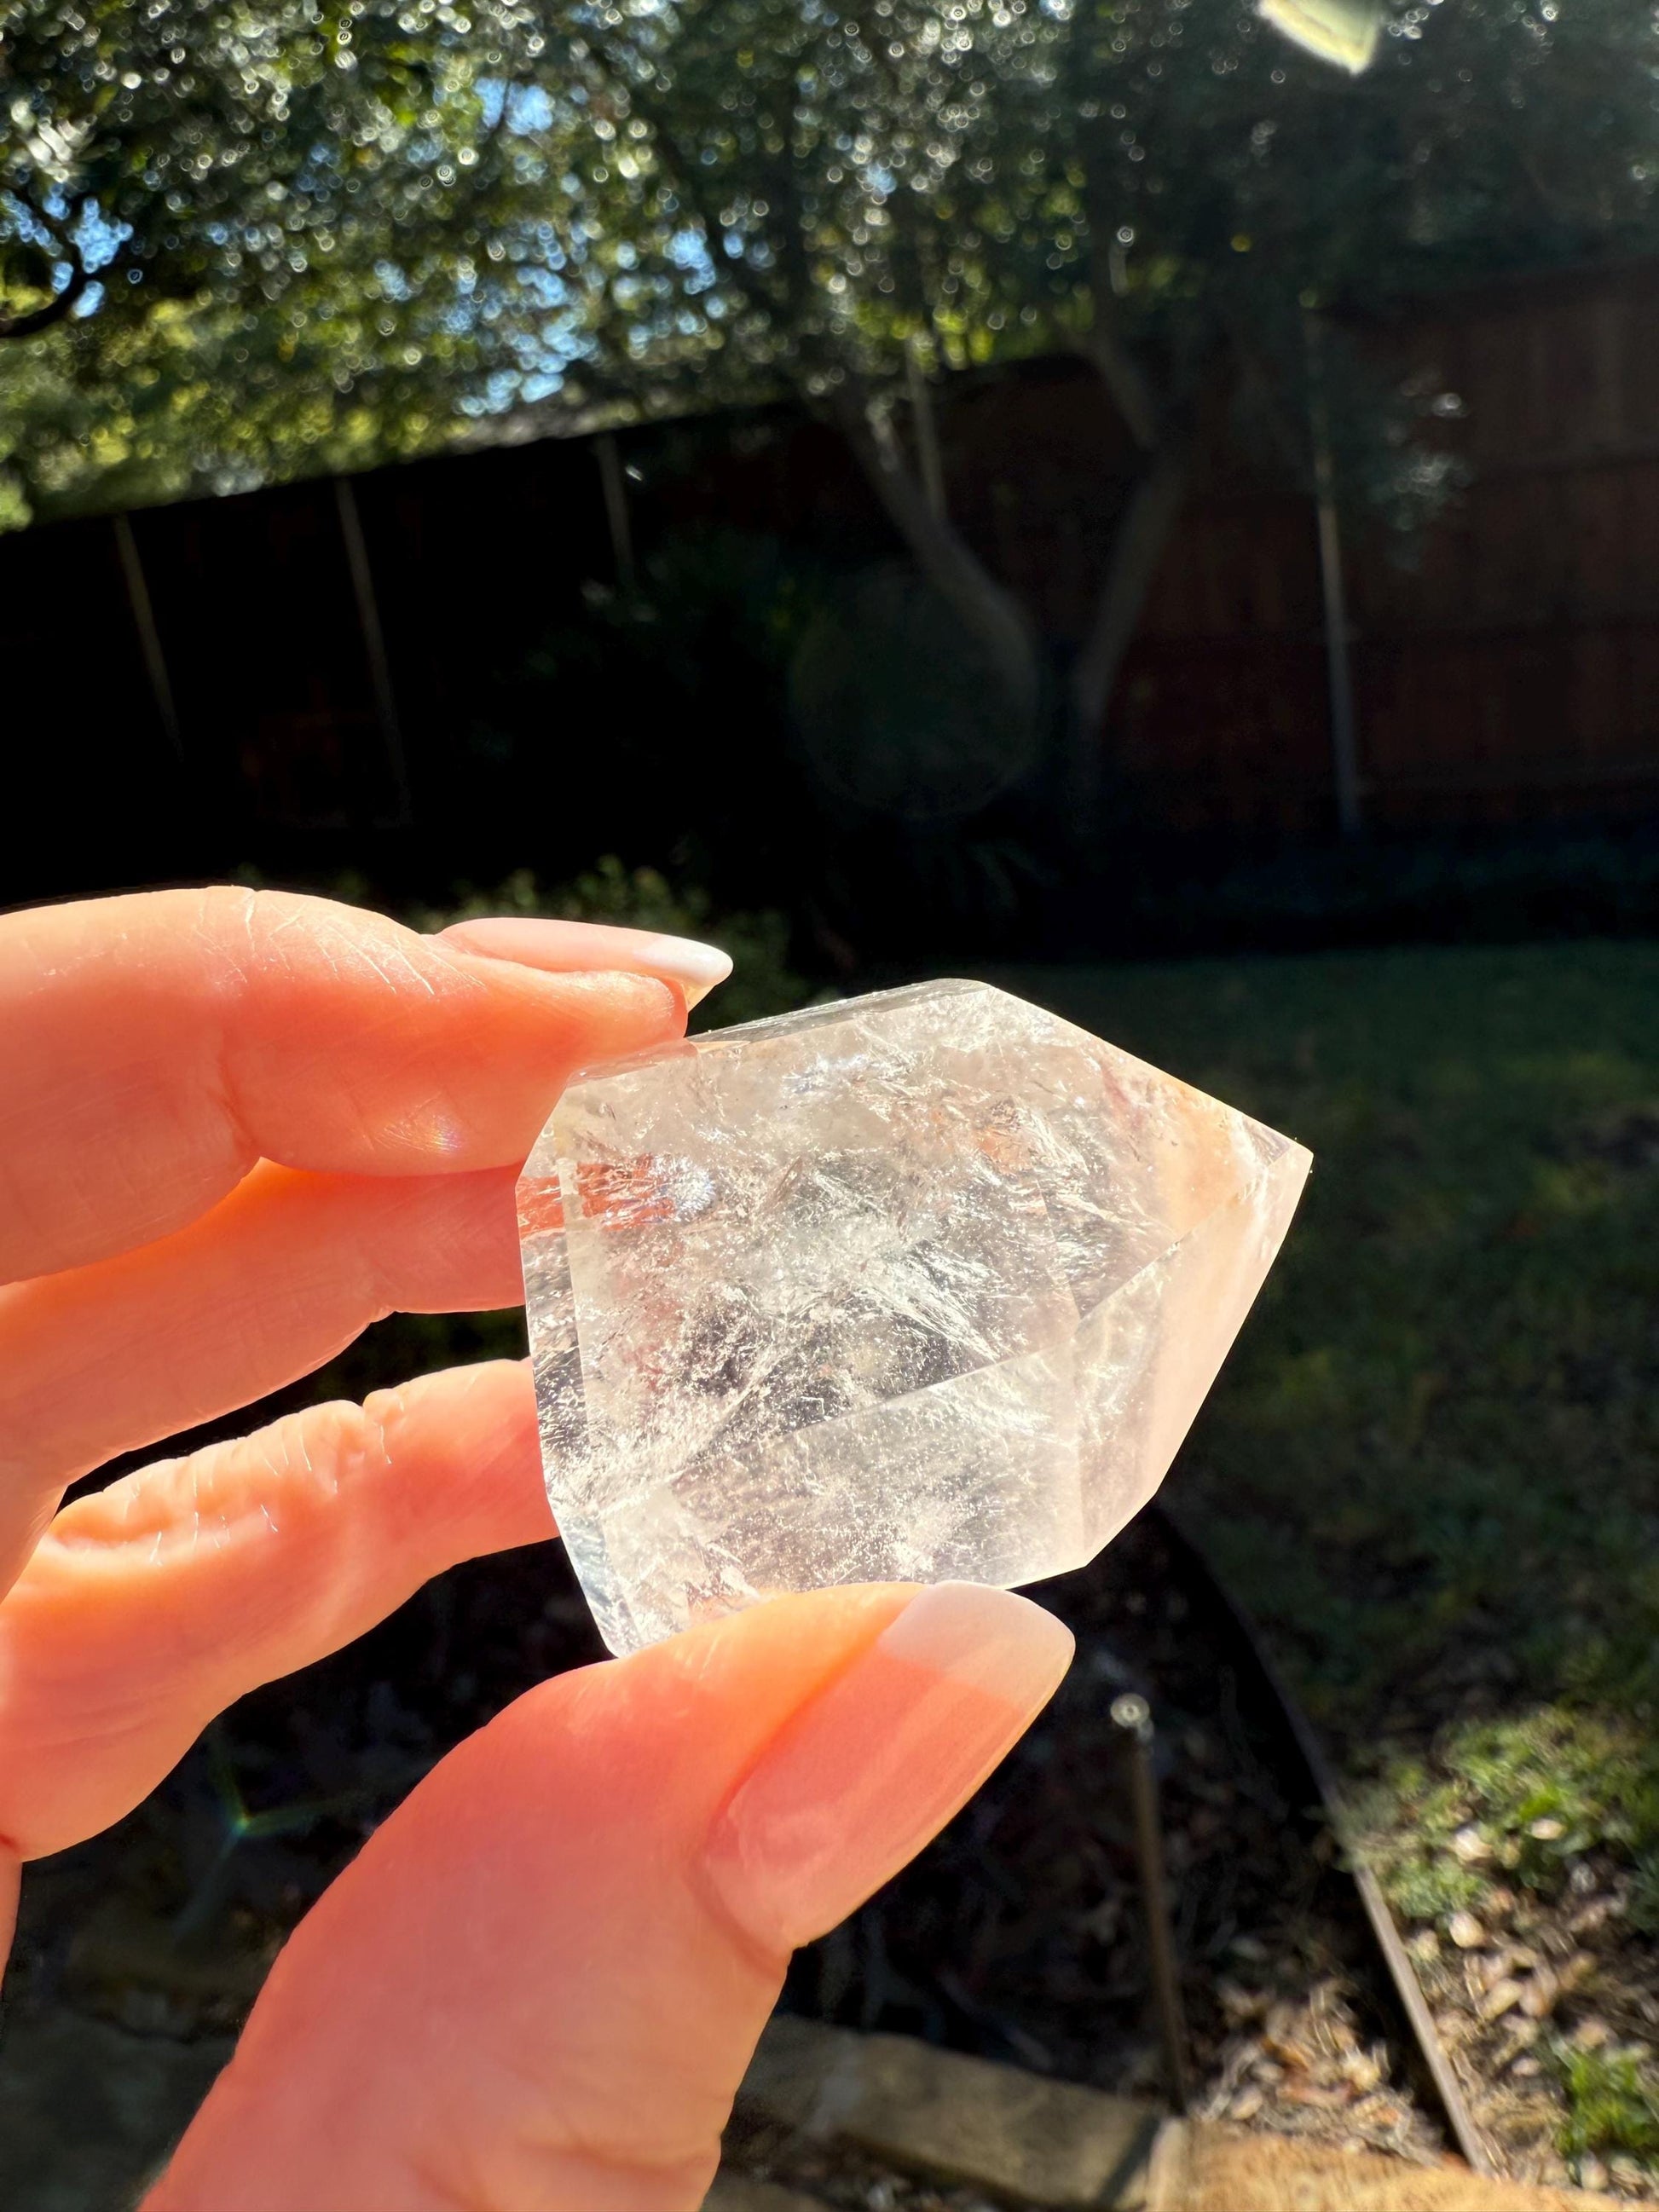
351	227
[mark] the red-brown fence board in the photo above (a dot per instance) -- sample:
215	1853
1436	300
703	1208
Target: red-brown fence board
1506	670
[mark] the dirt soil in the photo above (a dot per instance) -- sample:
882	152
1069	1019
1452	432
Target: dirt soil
1020	1932
1018	1935
1531	1984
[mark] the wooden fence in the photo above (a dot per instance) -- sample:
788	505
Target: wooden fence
1510	674
302	658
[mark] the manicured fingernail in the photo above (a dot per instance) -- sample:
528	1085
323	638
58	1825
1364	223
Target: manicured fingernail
536	941
695	968
876	1764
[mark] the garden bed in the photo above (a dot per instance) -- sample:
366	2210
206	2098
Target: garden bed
1019	1935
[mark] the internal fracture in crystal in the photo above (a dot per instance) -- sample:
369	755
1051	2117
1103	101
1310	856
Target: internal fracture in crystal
922	1286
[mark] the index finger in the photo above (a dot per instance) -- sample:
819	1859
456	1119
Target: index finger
157	1045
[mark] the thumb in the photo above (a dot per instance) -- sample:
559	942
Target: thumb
540	1982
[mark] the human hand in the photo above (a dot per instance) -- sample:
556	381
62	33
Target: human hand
234	1129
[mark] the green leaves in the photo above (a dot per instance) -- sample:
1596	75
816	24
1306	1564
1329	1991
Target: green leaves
285	216
1612	2103
1539	1791
382	219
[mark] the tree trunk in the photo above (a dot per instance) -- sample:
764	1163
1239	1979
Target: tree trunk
992	615
1143	533
986	611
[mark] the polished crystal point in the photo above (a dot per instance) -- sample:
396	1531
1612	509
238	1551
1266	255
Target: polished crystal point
922	1286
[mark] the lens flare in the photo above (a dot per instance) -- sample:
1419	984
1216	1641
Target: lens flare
1344	32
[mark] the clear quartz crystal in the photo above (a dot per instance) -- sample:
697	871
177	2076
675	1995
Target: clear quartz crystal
922	1286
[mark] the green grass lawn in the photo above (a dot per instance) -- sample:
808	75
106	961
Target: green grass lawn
1431	1467
1439	1433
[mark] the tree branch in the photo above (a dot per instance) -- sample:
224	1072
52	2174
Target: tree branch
980	604
1143	533
35	320
986	611
1106	352
61	248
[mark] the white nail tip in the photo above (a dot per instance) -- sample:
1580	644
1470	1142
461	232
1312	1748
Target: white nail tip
987	1638
695	968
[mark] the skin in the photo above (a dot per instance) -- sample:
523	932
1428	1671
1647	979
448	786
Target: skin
236	1127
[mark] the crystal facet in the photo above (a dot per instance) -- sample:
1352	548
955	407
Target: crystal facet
922	1286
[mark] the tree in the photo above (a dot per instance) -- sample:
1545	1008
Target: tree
231	247
232	242
830	199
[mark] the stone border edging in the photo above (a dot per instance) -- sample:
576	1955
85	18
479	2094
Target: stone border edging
1059	2147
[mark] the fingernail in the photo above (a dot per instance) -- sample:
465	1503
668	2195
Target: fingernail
876	1764
695	968
538	941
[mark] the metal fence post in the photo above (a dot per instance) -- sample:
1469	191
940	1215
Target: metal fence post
149	638
1132	1717
1339	670
379	668
614	484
